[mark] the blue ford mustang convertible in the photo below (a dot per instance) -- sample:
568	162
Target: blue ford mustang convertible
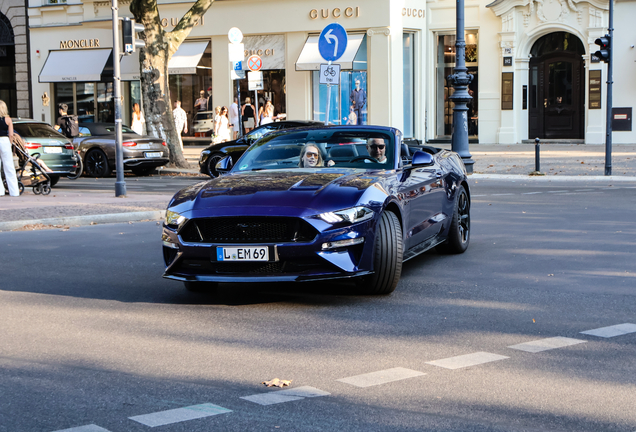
319	203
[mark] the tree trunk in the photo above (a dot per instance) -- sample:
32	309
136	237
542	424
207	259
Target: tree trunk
160	46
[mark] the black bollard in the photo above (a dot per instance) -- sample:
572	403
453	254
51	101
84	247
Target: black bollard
537	155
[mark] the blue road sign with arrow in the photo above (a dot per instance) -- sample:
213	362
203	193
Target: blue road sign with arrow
332	42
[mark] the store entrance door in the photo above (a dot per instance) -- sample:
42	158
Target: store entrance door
556	88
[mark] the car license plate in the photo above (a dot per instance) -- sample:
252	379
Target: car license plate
242	253
51	149
154	154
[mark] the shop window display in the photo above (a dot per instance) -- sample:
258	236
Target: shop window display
445	65
273	90
348	104
187	88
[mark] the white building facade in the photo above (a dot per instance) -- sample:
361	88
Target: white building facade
534	73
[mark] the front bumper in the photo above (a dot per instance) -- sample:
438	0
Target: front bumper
145	162
302	261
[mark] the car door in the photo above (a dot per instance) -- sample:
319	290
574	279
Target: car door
423	195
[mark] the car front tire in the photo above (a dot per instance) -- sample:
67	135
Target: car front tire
54	179
459	231
214	159
387	260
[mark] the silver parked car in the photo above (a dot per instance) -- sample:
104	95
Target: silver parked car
96	144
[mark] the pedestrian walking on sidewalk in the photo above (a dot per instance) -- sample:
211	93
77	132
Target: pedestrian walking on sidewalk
6	153
247	115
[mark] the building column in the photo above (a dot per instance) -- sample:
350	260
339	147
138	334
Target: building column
297	83
384	85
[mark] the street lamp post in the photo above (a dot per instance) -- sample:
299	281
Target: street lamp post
460	80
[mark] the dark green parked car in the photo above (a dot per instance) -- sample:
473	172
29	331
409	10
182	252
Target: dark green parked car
54	148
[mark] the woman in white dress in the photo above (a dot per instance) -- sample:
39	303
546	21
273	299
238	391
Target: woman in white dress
268	114
222	127
137	120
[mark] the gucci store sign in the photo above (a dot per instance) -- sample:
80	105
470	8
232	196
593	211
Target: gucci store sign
270	48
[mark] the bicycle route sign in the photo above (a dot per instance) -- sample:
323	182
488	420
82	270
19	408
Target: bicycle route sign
254	63
332	42
330	74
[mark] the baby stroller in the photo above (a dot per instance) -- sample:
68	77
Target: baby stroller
31	172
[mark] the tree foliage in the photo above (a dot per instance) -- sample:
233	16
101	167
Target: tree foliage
154	58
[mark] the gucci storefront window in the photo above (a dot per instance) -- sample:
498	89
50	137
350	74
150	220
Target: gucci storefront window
348	100
444	89
187	83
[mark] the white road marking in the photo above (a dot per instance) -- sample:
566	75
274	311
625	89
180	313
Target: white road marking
501	194
283	396
611	331
479	196
557	191
546	344
583	190
531	193
381	377
193	412
87	428
467	360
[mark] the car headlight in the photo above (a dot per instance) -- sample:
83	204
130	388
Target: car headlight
350	215
174	219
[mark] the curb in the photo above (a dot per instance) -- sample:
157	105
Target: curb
87	220
552	177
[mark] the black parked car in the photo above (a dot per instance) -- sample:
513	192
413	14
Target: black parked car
211	155
96	144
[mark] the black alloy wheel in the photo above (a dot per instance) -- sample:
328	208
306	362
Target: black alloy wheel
96	164
387	260
214	159
459	231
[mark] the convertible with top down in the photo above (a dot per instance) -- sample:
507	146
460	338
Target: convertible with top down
317	203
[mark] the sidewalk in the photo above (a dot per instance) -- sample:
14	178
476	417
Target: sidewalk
558	162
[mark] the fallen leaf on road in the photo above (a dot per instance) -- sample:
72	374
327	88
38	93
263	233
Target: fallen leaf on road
277	383
533	320
93	223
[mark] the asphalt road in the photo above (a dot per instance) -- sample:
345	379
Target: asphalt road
92	336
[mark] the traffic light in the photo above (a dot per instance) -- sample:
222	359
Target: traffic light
129	31
605	43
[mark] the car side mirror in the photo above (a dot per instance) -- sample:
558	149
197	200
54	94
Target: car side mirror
225	165
421	158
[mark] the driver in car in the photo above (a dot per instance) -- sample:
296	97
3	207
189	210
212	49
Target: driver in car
377	149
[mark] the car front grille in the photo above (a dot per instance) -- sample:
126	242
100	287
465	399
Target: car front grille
247	230
299	266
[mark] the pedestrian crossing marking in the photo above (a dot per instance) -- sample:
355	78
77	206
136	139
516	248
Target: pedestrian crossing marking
467	360
546	344
611	331
283	396
193	412
86	428
381	377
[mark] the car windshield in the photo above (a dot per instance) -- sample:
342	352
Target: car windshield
36	130
320	149
124	129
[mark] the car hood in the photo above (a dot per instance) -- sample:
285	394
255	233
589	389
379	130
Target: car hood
321	190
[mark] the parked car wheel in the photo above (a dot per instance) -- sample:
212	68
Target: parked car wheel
54	179
207	287
214	159
96	164
143	171
459	234
387	262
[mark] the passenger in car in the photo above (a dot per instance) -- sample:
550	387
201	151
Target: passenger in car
310	157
